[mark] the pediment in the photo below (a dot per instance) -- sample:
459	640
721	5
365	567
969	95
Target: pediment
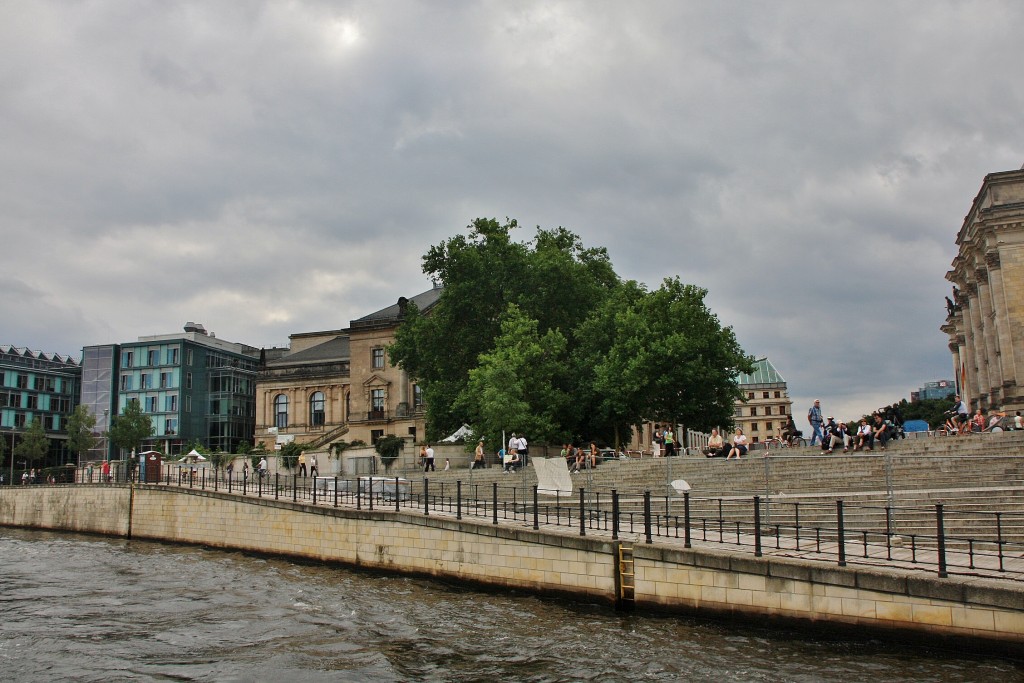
376	381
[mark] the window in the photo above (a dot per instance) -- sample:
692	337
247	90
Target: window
378	358
23	381
188	404
750	396
145	382
19	419
152	357
172	355
316	409
417	396
764	394
188	357
171	426
376	435
753	426
55	423
737	411
753	411
31	402
215	407
49	385
768	426
37	383
280	411
767	410
778	394
165	380
171	403
126	382
127	359
150	404
782	410
188	380
377	400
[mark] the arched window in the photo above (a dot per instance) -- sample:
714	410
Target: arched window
280	411
316	409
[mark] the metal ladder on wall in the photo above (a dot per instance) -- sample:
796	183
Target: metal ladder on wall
627	576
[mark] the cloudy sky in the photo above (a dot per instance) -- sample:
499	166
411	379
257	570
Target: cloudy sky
280	167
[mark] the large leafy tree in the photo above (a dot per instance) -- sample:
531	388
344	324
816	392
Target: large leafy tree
521	385
80	427
671	360
34	444
131	427
553	280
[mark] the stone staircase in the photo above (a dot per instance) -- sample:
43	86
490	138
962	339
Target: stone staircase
973	477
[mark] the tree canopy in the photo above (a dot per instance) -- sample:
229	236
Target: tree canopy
544	338
81	425
131	427
34	444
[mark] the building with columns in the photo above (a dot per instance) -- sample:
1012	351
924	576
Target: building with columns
339	385
985	315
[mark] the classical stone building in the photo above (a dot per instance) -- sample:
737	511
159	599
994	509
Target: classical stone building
339	385
985	320
767	406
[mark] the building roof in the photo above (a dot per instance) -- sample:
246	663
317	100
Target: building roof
333	350
54	358
394	313
764	373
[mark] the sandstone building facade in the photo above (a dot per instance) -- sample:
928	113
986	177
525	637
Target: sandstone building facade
985	321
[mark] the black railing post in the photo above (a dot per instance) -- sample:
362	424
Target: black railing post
295	488
231	477
999	539
458	499
757	526
277	485
940	537
583	512
426	496
245	483
314	491
647	516
495	510
840	533
615	515
536	509
359	493
202	479
398	497
369	492
335	490
686	519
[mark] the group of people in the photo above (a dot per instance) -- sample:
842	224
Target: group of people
733	450
664	441
578	458
959	421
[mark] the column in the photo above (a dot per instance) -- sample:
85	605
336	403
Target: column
1007	366
994	387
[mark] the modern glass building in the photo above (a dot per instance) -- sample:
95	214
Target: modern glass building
193	386
38	386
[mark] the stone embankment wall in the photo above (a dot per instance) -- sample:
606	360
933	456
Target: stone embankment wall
473	550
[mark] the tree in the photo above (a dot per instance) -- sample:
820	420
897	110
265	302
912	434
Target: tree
522	384
553	280
388	448
131	427
34	443
80	428
672	360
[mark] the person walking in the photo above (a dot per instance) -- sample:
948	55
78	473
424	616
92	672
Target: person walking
815	419
302	464
313	471
428	461
478	455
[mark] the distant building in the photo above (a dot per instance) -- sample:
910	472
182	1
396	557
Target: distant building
339	385
767	406
943	388
193	386
761	413
43	386
985	315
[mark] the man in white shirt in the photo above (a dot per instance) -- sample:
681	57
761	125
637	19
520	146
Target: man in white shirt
428	463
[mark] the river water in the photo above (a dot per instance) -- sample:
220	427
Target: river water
84	608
